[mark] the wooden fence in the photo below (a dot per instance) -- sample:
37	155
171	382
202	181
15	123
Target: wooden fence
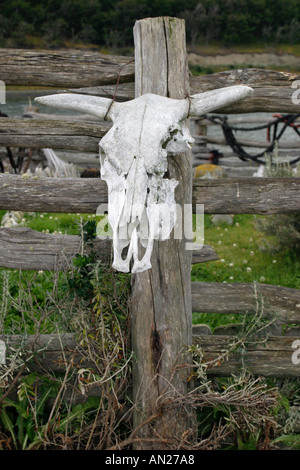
24	248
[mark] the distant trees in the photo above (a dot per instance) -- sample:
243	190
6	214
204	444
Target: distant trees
110	22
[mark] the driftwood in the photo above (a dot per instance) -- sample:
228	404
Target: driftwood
219	196
239	298
269	358
24	248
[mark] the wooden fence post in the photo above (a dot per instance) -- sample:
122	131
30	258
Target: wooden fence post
161	296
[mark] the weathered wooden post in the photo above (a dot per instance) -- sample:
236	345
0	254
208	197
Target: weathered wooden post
142	162
161	297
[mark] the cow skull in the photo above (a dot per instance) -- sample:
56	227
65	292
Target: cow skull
133	158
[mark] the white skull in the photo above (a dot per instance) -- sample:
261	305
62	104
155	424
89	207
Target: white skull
133	157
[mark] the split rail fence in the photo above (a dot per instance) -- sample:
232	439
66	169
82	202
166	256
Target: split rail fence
23	248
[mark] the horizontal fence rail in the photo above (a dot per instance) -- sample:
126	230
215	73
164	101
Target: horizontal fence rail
242	298
84	195
24	248
61	134
269	358
52	353
63	68
77	69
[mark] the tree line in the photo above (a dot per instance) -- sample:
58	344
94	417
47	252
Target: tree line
109	23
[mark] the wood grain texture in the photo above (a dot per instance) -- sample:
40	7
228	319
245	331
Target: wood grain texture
74	195
239	298
272	90
84	195
63	68
249	143
161	297
24	248
247	195
59	134
269	358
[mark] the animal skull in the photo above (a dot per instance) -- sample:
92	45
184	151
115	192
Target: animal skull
133	158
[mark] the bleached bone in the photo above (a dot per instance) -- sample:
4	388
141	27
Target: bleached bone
133	158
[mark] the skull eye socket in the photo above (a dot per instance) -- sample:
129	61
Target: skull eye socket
172	137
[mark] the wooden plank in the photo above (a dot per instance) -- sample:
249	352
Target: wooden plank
64	195
268	358
247	195
124	91
272	90
84	195
72	135
63	68
239	298
271	358
24	248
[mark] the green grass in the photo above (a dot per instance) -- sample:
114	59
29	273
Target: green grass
30	292
55	223
238	247
242	260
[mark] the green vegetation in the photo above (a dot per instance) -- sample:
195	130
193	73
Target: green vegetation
243	258
91	301
109	23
